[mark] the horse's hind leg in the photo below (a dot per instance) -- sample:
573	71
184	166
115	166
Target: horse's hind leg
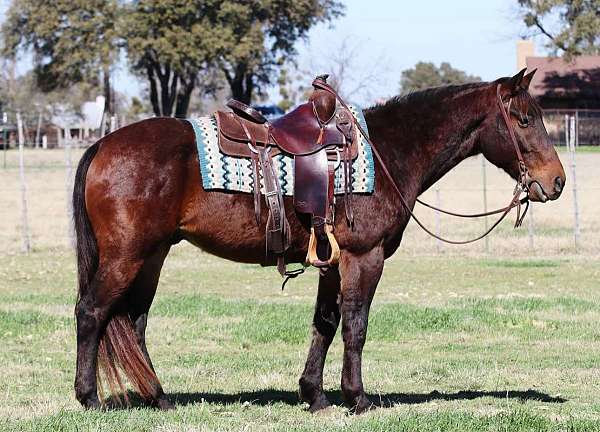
143	290
93	312
325	324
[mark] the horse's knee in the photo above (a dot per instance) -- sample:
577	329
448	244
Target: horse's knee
86	319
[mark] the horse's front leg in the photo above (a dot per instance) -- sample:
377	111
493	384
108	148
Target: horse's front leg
325	324
359	278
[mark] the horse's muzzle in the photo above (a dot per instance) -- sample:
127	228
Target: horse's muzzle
539	194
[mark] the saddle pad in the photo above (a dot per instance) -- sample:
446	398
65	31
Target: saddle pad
222	172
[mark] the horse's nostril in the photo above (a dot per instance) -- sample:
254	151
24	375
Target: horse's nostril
558	184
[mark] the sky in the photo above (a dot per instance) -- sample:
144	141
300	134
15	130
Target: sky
477	36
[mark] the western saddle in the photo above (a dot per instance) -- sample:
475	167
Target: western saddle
320	135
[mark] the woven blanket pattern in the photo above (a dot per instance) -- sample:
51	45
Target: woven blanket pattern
222	172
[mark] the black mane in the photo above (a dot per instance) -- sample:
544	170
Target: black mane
427	95
522	101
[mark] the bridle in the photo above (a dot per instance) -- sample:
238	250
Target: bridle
516	200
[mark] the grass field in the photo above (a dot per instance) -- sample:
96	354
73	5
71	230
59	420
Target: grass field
458	341
454	344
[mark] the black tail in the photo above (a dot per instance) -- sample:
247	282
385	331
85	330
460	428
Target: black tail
87	249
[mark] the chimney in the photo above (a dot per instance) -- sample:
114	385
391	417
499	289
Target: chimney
525	48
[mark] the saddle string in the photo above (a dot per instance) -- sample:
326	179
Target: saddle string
514	202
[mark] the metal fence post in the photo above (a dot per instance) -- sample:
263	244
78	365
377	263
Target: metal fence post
438	221
5	141
26	247
571	134
485	204
530	227
69	185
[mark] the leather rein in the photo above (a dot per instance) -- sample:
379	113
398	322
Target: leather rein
515	201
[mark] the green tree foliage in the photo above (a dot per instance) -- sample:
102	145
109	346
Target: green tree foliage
260	35
572	27
173	44
425	75
72	41
177	45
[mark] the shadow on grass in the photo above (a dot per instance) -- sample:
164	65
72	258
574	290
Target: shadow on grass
270	396
385	400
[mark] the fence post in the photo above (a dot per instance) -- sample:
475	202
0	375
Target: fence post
38	130
24	223
5	135
530	228
5	141
438	221
69	185
485	204
571	135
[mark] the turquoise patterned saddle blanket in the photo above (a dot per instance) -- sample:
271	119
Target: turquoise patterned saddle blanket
229	173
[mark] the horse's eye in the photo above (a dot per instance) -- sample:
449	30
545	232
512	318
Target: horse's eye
523	121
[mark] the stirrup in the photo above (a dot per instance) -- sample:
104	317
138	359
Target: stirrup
313	259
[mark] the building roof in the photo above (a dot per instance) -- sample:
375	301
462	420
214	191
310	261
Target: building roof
561	84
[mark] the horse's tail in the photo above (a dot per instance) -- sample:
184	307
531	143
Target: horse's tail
118	348
87	249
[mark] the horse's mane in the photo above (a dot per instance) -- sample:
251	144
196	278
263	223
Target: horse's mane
434	94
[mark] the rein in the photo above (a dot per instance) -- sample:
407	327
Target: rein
515	201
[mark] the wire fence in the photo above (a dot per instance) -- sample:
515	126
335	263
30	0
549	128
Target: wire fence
36	187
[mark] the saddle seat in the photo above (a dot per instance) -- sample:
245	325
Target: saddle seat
319	135
301	132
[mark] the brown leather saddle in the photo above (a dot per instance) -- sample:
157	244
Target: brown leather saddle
320	135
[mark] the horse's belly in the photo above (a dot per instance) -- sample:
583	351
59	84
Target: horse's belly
224	224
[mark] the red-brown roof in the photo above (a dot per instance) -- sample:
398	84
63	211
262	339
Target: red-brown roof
558	82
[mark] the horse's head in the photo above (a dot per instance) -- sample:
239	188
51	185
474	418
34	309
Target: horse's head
545	176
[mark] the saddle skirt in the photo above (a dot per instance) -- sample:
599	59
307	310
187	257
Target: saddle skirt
232	170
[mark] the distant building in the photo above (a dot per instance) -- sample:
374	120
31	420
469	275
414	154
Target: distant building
565	88
559	84
81	127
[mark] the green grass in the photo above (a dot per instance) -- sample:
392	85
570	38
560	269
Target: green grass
454	344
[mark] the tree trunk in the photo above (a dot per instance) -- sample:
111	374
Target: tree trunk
108	109
183	98
153	91
241	84
169	83
168	89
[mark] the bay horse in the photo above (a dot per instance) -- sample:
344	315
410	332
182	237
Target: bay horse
138	192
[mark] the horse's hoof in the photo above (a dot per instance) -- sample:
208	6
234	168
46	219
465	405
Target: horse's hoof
364	405
164	404
319	404
92	403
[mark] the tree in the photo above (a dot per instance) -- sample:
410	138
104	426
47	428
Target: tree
259	36
293	88
425	75
172	44
572	27
72	41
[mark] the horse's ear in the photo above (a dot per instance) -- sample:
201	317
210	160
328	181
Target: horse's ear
512	86
527	80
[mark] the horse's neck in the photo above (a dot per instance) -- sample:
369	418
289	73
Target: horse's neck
424	140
